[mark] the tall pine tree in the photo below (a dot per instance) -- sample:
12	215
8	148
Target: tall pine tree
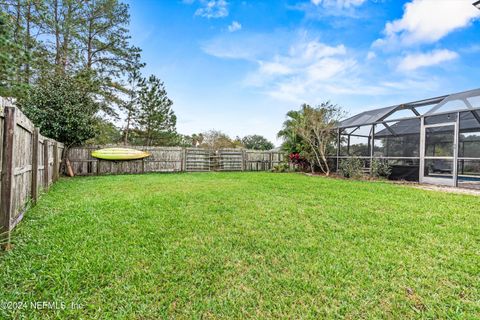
155	119
9	61
131	104
104	44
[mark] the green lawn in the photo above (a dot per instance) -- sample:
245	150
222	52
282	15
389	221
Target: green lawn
257	245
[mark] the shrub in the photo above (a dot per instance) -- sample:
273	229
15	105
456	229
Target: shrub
299	161
351	168
63	107
281	167
380	169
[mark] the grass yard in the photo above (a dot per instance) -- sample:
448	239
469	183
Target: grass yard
258	245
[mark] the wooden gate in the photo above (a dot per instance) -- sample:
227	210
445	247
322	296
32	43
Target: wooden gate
197	159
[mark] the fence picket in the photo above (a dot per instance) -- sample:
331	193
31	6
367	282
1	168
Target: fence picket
6	206
34	184
21	167
46	165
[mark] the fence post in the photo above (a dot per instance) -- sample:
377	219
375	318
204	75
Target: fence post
35	142
8	181
184	159
46	165
55	162
243	160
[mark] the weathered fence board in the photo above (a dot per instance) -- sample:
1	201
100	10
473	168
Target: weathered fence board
24	174
197	159
7	201
230	159
175	159
261	161
22	162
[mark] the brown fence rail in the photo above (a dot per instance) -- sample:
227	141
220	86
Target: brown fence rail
30	163
174	159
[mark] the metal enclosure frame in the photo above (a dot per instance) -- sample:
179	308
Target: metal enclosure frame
385	117
454	158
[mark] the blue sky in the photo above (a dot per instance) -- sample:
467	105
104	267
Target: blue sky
239	66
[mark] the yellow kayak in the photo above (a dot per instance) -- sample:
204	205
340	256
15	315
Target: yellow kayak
119	154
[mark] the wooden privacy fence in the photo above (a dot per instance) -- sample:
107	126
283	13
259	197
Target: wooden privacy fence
175	159
29	163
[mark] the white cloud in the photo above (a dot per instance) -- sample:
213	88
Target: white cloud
302	71
307	70
319	9
338	3
246	45
414	61
235	26
427	21
213	9
274	68
371	55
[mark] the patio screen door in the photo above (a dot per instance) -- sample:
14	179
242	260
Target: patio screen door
438	164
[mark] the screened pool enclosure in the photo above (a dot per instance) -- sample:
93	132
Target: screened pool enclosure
434	141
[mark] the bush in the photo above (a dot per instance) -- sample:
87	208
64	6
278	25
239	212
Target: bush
351	168
281	167
63	107
380	169
299	161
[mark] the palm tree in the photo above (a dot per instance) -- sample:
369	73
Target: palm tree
292	143
311	131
